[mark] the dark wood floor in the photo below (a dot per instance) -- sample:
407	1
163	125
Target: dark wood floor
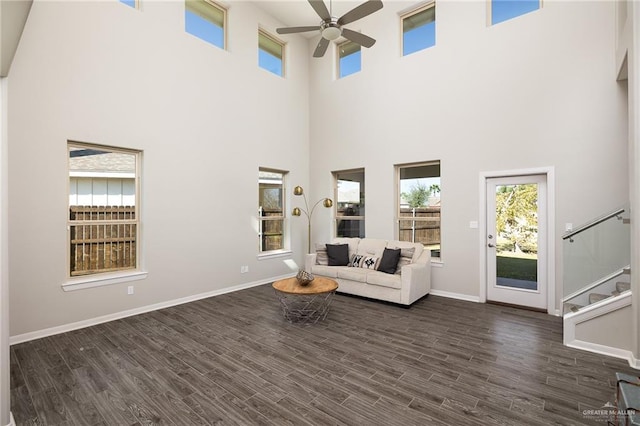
232	359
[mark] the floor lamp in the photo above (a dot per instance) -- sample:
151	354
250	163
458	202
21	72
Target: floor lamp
326	202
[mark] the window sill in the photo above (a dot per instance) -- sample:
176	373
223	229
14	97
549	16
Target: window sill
274	254
437	263
102	280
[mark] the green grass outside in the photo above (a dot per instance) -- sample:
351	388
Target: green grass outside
519	266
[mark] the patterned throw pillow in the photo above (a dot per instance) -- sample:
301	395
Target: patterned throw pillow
356	260
321	255
369	262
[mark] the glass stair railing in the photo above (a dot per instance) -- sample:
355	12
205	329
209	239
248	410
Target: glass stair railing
596	260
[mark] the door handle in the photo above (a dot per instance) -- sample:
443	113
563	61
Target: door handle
490	245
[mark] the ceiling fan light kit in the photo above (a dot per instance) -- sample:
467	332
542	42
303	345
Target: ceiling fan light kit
331	28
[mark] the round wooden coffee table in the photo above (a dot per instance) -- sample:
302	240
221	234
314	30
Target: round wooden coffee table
305	304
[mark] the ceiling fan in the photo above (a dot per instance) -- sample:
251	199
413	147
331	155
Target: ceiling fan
331	27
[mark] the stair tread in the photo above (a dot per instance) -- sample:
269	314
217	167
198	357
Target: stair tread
596	297
623	286
571	307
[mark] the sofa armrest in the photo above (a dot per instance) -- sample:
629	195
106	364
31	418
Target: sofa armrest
416	279
309	261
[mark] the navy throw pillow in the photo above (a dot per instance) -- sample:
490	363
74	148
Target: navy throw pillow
338	254
389	261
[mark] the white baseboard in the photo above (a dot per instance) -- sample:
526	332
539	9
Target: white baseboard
458	296
20	338
605	350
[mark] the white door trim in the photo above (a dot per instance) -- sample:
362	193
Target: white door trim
549	172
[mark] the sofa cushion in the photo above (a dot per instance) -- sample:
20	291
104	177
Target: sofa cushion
371	247
389	261
384	280
325	271
338	254
418	247
321	255
353	274
406	258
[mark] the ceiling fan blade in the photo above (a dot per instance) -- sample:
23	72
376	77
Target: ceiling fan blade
366	8
356	37
321	9
291	30
321	48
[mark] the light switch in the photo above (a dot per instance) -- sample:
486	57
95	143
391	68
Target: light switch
473	224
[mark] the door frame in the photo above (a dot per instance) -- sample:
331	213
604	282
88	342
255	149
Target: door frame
549	173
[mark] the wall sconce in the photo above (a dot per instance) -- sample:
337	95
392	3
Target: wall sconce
326	202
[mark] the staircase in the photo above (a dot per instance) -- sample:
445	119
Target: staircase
597	285
620	287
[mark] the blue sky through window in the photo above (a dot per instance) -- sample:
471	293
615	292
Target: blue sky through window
350	64
419	38
270	62
503	10
204	29
131	3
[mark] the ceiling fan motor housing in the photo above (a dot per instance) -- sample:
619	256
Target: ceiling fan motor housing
331	30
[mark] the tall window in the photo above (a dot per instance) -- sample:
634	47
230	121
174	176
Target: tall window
271	192
131	3
205	20
270	53
349	58
103	209
418	204
349	196
419	29
503	10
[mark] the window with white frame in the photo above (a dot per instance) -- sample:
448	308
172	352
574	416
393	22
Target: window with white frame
130	3
418	204
503	10
103	219
349	58
419	29
270	53
349	196
271	191
206	20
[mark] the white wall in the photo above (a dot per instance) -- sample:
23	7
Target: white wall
5	399
611	330
536	91
205	119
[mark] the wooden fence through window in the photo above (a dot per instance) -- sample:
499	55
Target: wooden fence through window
271	229
421	227
109	244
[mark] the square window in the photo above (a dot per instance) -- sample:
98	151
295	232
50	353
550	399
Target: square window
130	3
103	219
270	53
419	29
271	210
206	21
503	10
349	58
418	204
349	196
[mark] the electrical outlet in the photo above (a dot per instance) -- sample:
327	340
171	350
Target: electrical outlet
130	289
244	269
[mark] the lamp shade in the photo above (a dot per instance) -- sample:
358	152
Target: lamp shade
296	211
327	202
298	190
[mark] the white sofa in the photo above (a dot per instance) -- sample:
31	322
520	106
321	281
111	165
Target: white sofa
411	282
